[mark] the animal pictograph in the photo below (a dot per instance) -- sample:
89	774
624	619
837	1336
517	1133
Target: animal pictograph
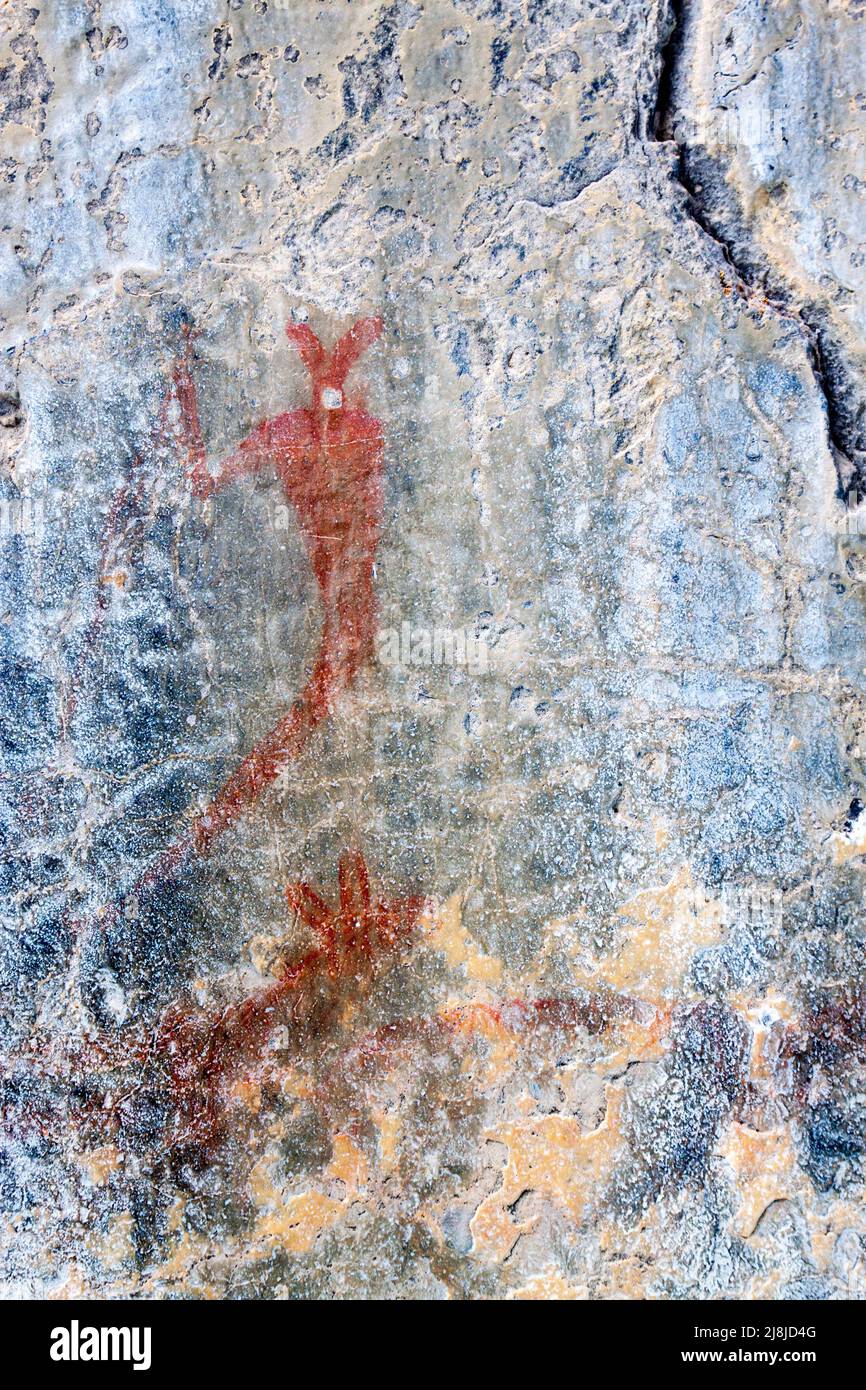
186	1067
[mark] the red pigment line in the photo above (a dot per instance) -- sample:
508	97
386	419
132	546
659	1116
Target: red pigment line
328	457
588	1012
201	1051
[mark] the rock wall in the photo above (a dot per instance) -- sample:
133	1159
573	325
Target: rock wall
433	649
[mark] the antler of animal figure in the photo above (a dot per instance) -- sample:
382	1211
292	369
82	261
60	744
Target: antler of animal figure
201	1050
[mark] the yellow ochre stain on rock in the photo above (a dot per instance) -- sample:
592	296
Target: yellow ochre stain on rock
294	1222
449	936
671	923
550	1155
765	1168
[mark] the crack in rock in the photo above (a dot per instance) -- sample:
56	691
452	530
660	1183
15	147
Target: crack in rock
692	164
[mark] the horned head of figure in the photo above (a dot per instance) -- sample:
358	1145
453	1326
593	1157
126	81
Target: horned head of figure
329	368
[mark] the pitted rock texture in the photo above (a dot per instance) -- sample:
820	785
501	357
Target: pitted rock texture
433	785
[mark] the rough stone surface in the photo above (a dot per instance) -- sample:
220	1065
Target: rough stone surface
767	103
526	958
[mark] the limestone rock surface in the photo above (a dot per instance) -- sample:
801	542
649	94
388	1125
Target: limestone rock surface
433	649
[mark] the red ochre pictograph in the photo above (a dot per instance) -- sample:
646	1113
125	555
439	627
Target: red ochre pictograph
199	1053
328	457
197	1056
